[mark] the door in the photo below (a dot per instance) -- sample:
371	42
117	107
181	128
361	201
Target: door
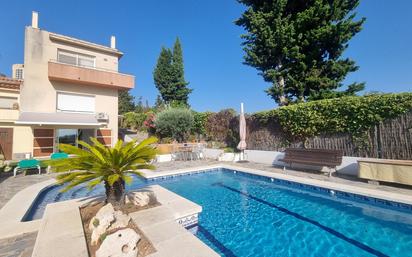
6	142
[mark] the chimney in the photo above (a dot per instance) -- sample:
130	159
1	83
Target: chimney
113	42
35	20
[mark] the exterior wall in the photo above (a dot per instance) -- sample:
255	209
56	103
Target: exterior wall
22	138
39	94
5	114
104	136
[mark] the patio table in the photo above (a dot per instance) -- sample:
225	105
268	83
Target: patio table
186	152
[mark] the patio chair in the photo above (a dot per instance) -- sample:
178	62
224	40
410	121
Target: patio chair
56	156
26	165
198	151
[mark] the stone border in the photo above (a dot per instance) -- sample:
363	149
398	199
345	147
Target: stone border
61	232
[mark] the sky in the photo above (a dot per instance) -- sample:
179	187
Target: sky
211	43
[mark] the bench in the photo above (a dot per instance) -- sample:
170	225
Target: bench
315	157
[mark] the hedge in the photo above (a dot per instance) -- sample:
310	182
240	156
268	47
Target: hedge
354	115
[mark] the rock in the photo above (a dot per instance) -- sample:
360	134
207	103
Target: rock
122	243
121	220
140	198
101	222
105	213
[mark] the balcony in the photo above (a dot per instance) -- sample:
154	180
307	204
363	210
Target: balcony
89	76
8	115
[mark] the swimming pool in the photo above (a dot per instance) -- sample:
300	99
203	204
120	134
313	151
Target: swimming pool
246	215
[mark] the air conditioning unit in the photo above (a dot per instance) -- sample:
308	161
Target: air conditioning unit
102	116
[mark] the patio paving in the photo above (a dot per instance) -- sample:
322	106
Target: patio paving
22	246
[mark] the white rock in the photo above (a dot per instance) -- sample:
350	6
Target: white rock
139	198
105	216
122	243
121	220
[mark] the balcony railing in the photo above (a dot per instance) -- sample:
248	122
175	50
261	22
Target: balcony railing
8	115
59	71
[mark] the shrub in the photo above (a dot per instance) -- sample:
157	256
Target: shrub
200	120
174	122
218	126
354	115
149	123
134	120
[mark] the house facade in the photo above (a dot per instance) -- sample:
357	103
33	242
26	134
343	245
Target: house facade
69	93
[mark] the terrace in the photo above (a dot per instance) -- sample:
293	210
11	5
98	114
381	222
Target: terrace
22	245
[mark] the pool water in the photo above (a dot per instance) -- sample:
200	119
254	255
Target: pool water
247	216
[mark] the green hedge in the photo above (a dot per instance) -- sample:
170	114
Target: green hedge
354	115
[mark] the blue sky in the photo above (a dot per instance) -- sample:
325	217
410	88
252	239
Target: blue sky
211	44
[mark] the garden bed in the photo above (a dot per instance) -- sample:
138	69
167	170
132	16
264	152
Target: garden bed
144	246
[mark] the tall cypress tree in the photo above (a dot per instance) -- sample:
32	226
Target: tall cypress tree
297	45
162	74
169	75
182	91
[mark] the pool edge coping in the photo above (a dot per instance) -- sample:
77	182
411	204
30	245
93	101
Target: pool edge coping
12	213
375	193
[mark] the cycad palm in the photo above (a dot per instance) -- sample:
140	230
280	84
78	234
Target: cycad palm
97	163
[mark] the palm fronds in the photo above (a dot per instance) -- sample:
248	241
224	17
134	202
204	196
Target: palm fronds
97	163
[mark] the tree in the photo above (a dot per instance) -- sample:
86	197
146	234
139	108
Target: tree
96	164
169	75
126	102
179	82
159	103
139	105
174	122
297	45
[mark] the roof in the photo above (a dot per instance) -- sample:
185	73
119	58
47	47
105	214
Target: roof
58	118
10	83
86	44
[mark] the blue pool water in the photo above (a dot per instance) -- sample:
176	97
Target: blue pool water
248	216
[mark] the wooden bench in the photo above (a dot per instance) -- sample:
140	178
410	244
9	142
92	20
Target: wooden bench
315	157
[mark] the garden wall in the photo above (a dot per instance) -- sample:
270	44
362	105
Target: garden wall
391	139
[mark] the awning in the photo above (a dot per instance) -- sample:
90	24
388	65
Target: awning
57	118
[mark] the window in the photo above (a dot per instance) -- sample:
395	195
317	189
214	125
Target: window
8	102
19	73
67	102
72	136
75	59
67	136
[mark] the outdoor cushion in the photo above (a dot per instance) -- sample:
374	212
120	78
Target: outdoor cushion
26	164
61	155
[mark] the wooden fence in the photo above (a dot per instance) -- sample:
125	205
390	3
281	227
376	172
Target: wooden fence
391	139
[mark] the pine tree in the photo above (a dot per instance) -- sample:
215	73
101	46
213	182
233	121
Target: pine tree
169	75
297	45
125	102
